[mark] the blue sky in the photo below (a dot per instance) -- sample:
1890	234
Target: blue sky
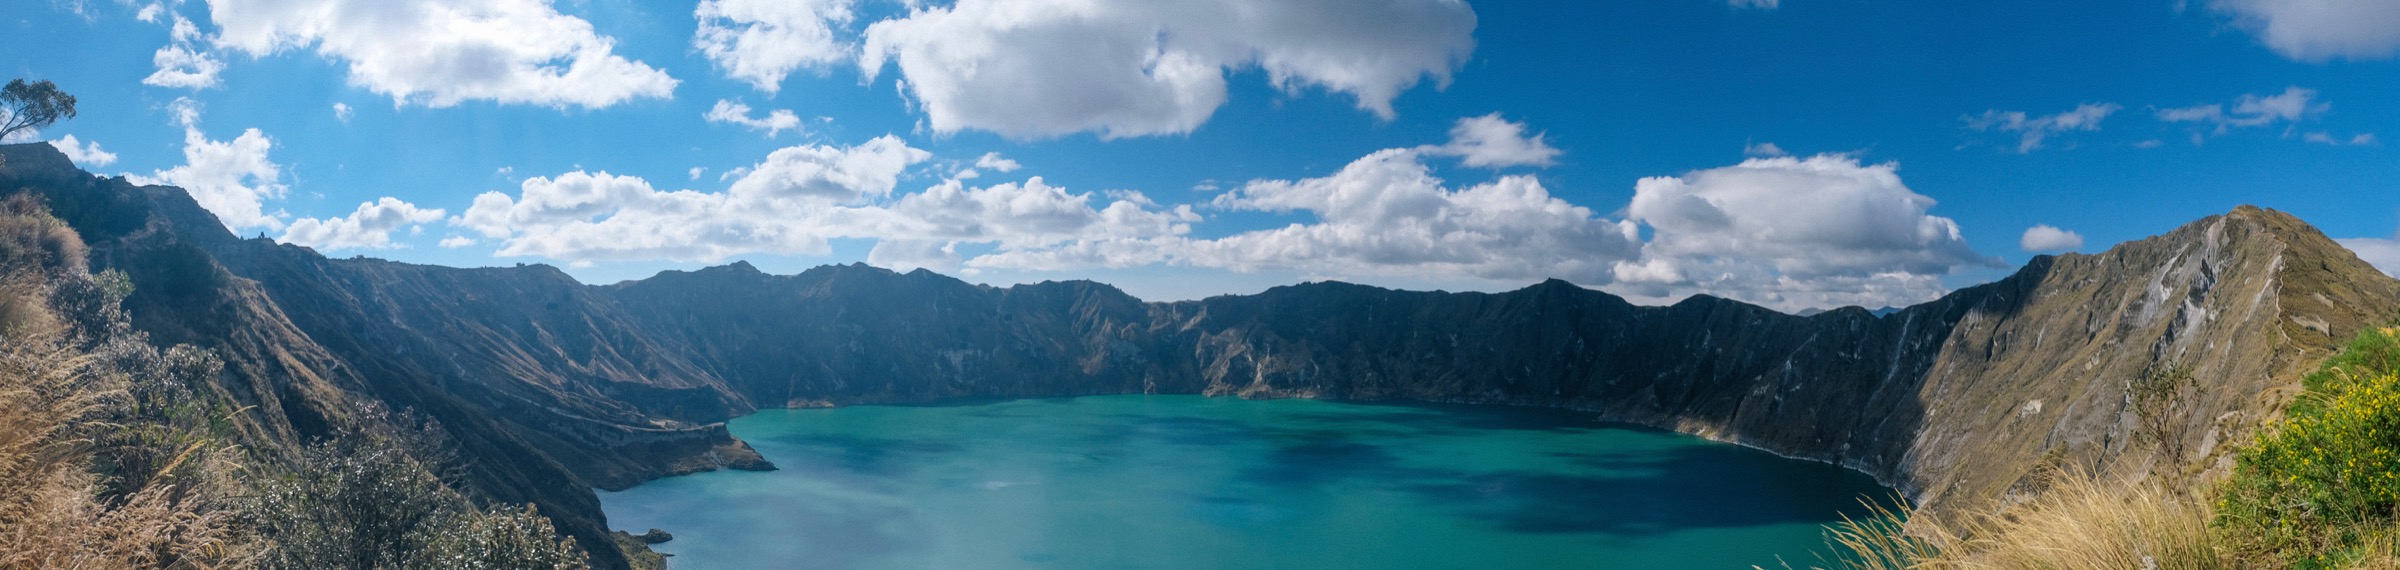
1794	153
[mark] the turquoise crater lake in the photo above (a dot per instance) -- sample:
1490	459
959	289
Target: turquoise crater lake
1174	482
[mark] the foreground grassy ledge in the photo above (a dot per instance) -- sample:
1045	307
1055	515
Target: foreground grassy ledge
2320	488
117	454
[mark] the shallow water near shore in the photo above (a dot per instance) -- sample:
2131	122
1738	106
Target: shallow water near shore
1174	482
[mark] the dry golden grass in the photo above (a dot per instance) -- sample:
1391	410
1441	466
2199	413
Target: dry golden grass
51	511
54	511
30	238
1888	540
2381	552
2080	523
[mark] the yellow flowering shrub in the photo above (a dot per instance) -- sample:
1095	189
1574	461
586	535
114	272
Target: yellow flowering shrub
2327	477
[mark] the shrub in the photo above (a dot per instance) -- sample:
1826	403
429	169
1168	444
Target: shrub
2326	479
64	409
505	538
116	454
366	501
54	511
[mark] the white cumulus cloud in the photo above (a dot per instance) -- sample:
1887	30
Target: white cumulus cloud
992	161
1042	68
731	111
2293	105
2045	238
87	155
794	202
2320	30
909	255
2033	130
231	179
181	66
2382	253
441	52
1386	215
2326	138
1787	232
1023	216
761	41
822	172
181	63
1492	142
582	217
368	227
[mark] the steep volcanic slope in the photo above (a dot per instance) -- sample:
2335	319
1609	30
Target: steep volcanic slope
528	348
1952	400
857	334
1837	386
528	378
553	387
2244	302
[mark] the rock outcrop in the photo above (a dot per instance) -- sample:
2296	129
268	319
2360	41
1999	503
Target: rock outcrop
552	387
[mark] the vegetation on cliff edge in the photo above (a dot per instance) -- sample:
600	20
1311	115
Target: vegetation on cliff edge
116	454
2319	489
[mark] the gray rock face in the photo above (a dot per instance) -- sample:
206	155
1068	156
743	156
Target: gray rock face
554	387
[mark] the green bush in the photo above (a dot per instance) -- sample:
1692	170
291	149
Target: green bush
504	538
374	501
2327	478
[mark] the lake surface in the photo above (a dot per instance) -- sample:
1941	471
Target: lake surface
1174	482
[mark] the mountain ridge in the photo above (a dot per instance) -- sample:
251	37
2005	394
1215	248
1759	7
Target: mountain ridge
555	387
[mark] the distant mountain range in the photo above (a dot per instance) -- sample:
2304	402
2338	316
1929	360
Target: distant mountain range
553	388
1813	311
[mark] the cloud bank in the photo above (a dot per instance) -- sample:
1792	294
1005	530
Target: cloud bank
2045	238
368	227
439	53
2382	253
1493	142
232	179
1046	68
796	200
2319	30
761	41
86	155
1787	232
182	63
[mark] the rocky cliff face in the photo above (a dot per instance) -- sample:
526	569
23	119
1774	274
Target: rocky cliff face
554	387
1952	401
527	370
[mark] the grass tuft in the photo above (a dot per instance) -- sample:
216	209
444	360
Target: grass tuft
2080	523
